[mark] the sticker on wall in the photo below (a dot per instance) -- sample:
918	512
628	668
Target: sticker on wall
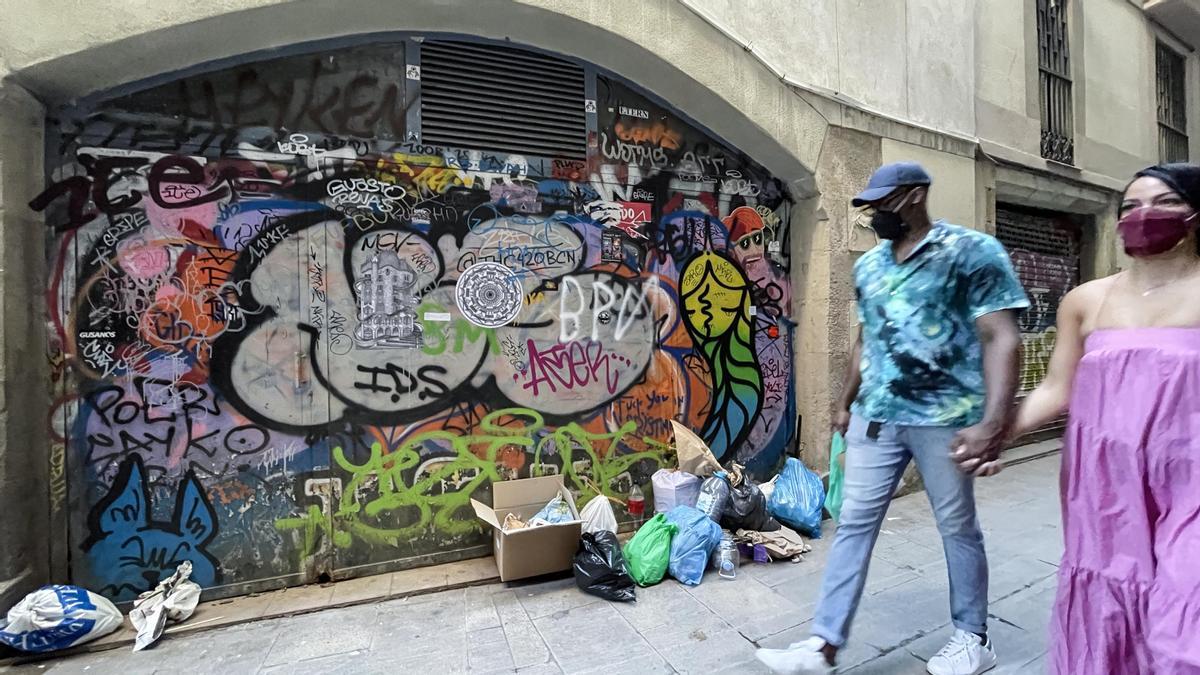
413	72
387	316
589	105
610	247
634	112
489	295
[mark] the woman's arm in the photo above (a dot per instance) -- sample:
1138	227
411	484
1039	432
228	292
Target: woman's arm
1049	400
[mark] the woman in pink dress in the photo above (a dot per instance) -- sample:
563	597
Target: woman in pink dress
1126	364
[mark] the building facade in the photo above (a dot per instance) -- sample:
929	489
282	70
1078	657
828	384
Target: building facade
288	282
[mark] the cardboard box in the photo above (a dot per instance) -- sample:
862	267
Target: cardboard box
531	551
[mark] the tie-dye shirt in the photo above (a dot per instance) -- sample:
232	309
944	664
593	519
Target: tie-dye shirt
922	362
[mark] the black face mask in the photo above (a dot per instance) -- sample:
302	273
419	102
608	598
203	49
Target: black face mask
888	225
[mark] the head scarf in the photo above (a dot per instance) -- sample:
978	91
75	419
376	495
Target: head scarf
1182	177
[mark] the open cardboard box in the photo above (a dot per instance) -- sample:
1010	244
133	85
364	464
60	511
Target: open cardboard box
531	551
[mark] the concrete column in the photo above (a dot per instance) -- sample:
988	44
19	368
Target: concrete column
824	256
25	538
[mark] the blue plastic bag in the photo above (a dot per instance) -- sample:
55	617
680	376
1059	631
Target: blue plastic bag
697	538
553	513
798	498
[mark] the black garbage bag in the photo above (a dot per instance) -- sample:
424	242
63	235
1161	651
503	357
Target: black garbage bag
600	568
747	509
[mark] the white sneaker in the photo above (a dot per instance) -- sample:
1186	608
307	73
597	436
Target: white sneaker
800	658
964	654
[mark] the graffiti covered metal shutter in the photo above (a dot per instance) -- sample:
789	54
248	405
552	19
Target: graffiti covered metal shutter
1045	253
500	98
290	346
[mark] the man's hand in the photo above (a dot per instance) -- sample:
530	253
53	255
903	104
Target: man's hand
989	468
841	421
974	448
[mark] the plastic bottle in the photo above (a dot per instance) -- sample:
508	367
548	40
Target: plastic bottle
636	505
714	496
726	558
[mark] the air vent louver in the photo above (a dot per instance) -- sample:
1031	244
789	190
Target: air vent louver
501	98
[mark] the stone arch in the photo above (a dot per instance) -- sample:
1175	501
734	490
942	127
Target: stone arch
660	45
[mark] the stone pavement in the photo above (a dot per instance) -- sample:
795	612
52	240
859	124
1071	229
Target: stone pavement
551	627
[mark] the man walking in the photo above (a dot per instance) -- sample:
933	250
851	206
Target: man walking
934	371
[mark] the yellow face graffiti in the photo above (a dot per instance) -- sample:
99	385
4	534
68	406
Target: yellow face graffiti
714	293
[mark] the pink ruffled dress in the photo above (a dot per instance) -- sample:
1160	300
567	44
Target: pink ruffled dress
1128	598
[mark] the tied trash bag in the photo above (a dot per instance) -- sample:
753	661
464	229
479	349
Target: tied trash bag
747	509
697	538
556	511
173	600
837	476
798	498
600	569
56	617
598	516
649	552
674	488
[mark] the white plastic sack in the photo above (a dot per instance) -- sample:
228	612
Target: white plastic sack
674	488
768	488
174	600
56	617
598	516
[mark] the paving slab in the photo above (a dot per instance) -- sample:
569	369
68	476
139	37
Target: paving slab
590	636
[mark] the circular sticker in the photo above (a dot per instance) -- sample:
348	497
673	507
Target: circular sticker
489	295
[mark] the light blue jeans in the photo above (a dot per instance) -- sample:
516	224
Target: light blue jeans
874	466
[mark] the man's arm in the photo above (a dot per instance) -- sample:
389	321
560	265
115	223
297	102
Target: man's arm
1001	341
841	412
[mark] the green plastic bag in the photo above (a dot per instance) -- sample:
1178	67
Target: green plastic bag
649	552
837	476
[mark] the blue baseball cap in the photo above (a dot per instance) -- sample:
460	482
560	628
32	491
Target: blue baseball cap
889	177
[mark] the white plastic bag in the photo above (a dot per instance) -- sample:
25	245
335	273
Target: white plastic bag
56	617
768	488
598	516
174	600
674	488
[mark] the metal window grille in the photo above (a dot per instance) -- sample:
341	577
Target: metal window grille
1172	106
495	97
1054	80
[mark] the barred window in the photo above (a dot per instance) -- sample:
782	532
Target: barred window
1054	81
1172	106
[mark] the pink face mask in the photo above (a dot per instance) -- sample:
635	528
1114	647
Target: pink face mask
1151	231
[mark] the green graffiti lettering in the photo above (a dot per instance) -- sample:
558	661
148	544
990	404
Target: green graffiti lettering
437	334
471	461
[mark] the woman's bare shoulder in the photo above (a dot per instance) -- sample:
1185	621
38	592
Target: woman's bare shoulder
1091	293
1084	300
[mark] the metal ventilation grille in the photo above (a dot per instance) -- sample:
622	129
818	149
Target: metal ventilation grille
501	98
